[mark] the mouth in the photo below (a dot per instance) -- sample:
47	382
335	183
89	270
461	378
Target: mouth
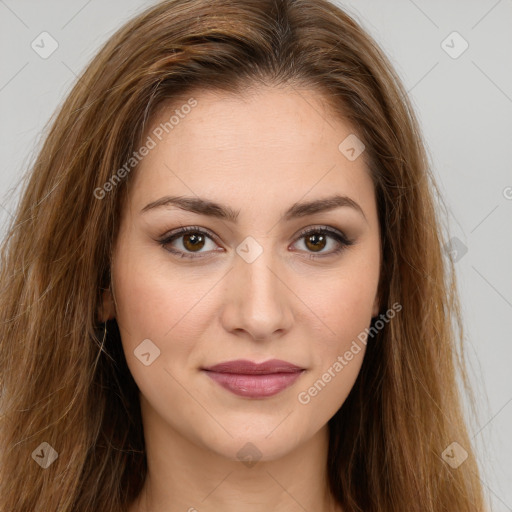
254	380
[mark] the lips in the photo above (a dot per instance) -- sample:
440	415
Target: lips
243	366
254	380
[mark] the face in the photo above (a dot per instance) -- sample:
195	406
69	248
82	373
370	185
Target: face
257	277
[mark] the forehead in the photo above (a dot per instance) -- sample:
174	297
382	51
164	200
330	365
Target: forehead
266	143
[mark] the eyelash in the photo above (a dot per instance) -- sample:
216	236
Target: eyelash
325	230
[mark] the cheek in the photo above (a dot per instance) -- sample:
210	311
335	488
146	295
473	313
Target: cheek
150	301
338	348
343	302
156	303
153	305
345	313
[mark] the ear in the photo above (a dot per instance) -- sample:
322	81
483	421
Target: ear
106	309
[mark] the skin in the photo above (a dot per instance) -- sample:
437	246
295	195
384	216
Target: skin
259	153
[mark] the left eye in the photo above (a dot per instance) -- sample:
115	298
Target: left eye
316	238
194	239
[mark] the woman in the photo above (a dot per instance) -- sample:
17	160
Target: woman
224	287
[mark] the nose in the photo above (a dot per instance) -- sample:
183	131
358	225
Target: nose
257	300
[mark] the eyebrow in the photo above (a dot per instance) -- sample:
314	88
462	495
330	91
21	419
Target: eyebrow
212	209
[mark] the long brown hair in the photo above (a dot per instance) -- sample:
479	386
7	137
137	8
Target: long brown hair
64	378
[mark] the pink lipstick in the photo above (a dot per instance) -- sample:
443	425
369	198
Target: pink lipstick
253	380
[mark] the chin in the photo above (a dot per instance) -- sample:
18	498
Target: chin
254	444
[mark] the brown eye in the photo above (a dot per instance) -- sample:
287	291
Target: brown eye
316	242
317	239
193	241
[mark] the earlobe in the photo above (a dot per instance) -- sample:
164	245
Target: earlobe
106	310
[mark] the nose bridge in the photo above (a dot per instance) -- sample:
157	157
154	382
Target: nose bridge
258	303
259	278
253	268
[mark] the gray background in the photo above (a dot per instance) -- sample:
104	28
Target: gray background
465	109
